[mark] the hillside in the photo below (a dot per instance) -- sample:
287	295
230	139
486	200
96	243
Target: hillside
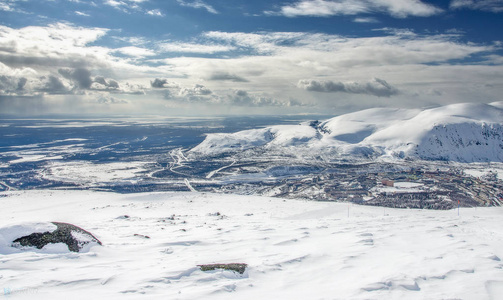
460	132
152	244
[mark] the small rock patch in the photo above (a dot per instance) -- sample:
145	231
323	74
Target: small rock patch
236	267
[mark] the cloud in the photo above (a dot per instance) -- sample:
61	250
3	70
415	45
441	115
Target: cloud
158	83
366	20
271	61
327	8
198	4
197	93
376	87
81	76
135	51
124	5
163	83
82	14
52	46
194	48
10	6
196	90
10	84
132	6
100	83
65	82
397	47
155	12
224	76
46	49
21	83
229	97
53	85
495	6
6	6
108	100
261	43
27	82
43	61
243	98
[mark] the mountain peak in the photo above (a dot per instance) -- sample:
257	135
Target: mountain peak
465	132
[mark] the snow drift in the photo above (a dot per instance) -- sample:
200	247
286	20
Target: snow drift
461	132
293	249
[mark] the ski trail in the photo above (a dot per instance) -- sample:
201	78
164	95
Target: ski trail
191	188
212	173
178	158
8	187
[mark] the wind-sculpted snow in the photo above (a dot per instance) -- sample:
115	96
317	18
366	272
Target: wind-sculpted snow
292	249
459	132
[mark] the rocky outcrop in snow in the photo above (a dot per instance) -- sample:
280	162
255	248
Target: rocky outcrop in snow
72	236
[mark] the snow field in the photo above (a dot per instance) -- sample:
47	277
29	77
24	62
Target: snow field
295	249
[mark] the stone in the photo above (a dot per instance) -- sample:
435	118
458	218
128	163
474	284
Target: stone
73	236
237	267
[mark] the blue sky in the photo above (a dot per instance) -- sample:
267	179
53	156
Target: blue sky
214	57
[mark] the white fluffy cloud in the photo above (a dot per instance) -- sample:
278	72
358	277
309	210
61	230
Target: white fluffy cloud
326	8
54	45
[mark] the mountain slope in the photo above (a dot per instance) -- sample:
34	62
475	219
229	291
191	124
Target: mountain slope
294	249
461	132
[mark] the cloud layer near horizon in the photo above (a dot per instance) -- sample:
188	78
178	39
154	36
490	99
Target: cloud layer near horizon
258	69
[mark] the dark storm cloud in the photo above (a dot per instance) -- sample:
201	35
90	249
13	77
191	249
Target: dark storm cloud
106	83
376	87
158	83
53	85
21	83
6	83
70	60
222	76
14	86
80	76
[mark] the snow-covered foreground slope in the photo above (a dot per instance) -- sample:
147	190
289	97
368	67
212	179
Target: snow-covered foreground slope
294	249
461	132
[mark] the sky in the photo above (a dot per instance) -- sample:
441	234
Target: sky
232	57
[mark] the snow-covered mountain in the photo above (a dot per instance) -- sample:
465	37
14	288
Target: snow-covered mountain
465	132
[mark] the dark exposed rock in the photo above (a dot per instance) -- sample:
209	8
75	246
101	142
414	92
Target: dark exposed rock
62	234
240	268
142	236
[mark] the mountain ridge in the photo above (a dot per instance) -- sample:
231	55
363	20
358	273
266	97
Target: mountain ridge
465	132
